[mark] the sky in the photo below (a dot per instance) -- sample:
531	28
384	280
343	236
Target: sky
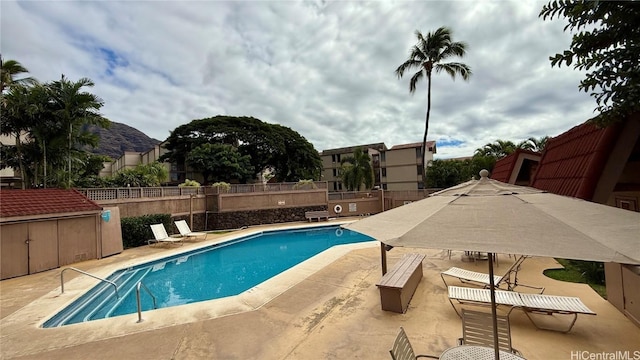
324	69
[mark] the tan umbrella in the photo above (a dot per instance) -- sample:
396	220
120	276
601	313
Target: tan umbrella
490	216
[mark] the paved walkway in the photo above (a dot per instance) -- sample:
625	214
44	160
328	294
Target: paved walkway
313	312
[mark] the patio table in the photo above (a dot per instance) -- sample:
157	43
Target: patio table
473	352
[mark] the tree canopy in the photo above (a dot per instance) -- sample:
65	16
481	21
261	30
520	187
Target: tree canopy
48	122
606	44
269	146
356	170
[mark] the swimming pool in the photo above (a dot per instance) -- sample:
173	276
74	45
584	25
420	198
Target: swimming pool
213	272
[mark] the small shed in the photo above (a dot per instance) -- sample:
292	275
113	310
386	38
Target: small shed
42	229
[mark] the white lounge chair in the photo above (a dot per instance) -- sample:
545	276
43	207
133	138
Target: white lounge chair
529	303
184	230
509	279
160	235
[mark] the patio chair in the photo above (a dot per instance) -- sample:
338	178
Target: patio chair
160	235
510	277
184	230
402	349
529	303
477	329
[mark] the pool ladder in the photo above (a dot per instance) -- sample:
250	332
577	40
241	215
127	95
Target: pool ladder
138	287
115	287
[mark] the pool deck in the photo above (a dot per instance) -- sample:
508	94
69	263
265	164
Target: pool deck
325	308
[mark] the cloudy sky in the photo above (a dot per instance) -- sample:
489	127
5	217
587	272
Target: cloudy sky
324	69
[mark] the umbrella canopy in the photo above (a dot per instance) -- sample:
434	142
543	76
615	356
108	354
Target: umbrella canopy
490	216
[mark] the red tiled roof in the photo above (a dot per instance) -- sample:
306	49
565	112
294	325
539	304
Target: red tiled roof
504	167
572	162
15	203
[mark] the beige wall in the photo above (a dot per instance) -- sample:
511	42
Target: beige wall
271	200
78	240
111	232
175	205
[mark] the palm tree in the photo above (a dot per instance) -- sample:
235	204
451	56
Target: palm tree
497	149
534	144
8	70
356	170
73	109
428	55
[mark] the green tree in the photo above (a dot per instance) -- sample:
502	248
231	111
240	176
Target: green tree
75	108
533	144
220	162
356	171
447	173
428	55
9	69
497	149
143	175
289	155
605	45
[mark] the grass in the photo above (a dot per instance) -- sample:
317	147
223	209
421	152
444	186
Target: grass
570	274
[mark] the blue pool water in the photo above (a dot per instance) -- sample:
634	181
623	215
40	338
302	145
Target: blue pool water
218	271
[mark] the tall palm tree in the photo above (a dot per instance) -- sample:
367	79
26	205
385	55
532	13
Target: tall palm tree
75	108
427	55
356	170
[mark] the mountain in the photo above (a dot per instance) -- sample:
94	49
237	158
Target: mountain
119	138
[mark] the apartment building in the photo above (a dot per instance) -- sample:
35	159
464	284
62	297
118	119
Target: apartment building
10	177
397	168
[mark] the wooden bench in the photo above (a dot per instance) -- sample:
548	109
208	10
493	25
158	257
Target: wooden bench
322	214
398	285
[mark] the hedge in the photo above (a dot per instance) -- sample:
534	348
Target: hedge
136	230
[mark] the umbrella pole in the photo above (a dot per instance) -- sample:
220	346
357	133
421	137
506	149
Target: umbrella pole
494	314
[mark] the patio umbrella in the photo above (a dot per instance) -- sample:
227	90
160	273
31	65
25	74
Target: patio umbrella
490	216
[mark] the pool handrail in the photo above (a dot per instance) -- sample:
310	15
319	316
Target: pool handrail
138	286
115	287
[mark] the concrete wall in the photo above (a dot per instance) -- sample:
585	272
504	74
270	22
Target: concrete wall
270	200
176	205
111	231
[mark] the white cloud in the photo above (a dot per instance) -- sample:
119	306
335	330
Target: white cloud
324	69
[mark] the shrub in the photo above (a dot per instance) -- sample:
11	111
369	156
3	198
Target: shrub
592	271
221	186
136	230
191	183
305	184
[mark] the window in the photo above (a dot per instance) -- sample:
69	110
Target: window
337	157
419	170
335	172
384	171
333	158
383	156
418	153
420	185
384	186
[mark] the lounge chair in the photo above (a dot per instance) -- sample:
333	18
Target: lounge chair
477	329
184	230
529	303
402	349
509	279
160	235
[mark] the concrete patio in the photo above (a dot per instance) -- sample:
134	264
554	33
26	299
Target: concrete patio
328	308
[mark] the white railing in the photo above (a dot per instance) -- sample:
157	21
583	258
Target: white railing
98	194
